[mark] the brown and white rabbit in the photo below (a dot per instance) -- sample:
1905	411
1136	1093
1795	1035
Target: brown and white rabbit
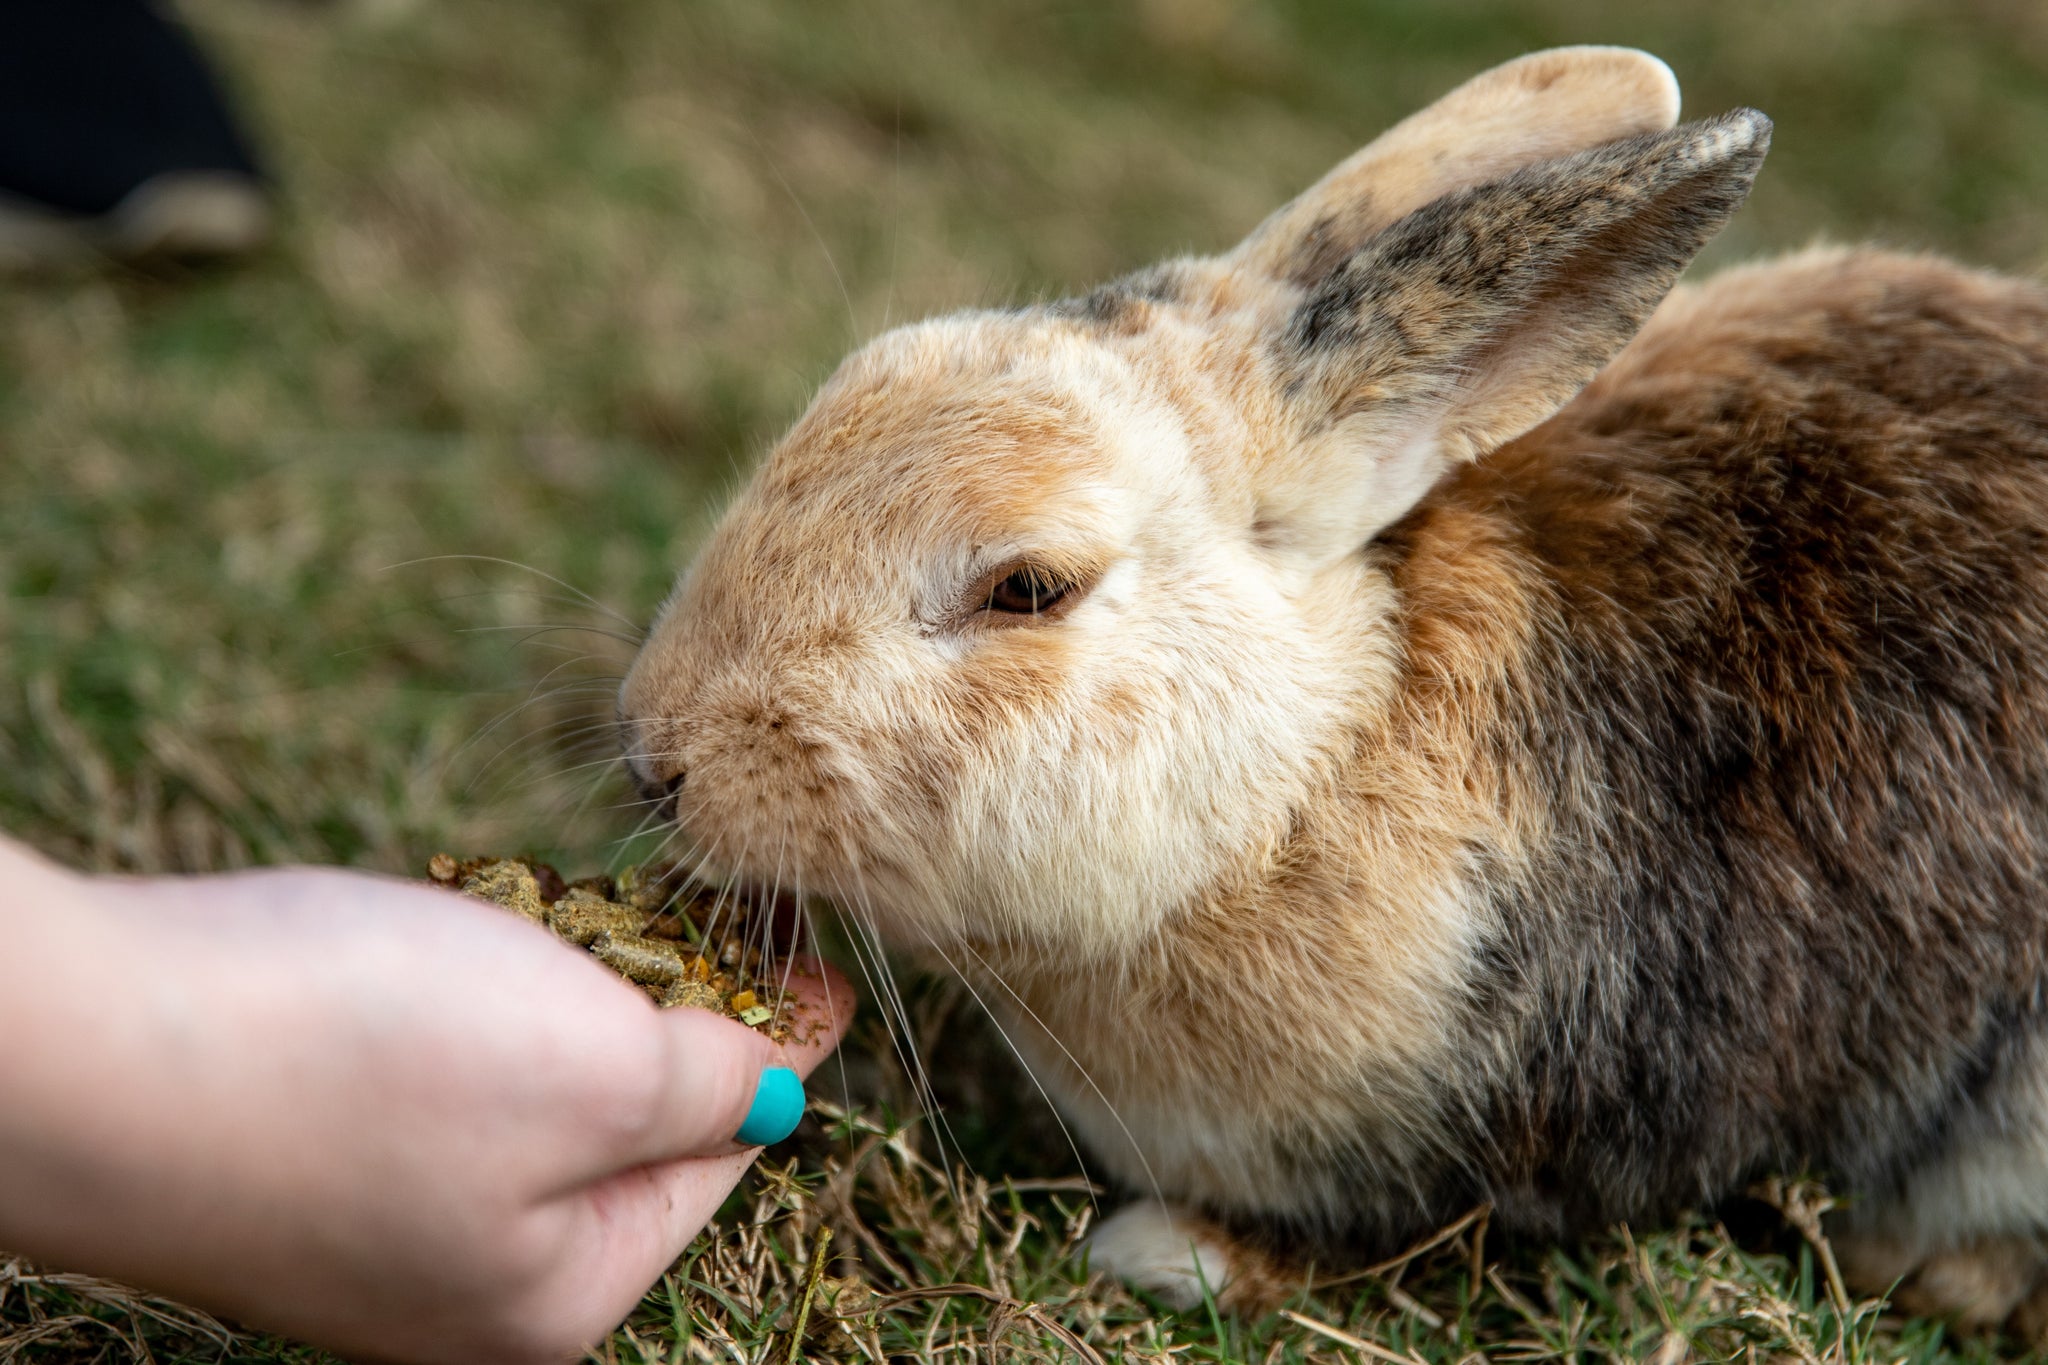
1370	769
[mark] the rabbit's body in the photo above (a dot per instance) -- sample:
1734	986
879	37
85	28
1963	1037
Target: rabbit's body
1718	762
1366	778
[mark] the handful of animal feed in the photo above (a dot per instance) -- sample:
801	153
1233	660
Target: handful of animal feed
680	941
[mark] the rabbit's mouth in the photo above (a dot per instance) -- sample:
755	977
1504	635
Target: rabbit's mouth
788	920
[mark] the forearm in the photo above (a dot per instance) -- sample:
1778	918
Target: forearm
71	1058
108	1027
174	1114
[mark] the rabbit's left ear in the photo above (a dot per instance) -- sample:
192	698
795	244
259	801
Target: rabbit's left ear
1534	108
1477	316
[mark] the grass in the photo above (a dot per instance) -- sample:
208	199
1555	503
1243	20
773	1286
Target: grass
553	274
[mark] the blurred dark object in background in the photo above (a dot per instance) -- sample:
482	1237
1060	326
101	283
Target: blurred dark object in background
116	141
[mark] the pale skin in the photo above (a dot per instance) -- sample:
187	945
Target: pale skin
377	1116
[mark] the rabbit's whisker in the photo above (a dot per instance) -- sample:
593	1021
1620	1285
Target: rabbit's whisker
563	584
1032	1072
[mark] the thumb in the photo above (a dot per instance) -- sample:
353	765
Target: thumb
726	1087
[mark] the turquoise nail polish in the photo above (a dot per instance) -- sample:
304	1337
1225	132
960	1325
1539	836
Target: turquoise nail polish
778	1104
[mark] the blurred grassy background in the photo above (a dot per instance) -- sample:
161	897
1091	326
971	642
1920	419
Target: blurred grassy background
553	273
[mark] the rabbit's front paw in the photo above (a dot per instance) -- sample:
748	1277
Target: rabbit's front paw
1163	1251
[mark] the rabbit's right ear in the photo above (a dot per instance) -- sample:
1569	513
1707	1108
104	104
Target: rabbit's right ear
1535	108
1476	317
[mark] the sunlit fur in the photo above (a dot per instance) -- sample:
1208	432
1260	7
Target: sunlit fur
1317	860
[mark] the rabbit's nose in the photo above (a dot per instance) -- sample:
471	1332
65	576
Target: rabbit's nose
656	787
666	810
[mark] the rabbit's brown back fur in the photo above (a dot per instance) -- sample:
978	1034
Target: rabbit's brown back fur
1785	567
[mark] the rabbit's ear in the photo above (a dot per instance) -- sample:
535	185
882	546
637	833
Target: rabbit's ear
1535	108
1479	315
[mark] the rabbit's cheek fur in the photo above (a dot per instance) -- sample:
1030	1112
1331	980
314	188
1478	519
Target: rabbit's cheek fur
1090	813
1316	1043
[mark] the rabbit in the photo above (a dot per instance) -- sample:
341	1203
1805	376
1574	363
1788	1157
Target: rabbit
1416	710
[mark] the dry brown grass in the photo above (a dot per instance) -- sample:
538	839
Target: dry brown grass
875	1254
49	1315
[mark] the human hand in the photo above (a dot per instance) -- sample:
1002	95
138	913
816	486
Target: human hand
392	1121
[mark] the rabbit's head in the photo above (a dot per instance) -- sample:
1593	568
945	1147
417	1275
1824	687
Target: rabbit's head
1041	621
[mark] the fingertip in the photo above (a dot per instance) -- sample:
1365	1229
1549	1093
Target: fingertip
726	1083
777	1108
822	1006
713	1070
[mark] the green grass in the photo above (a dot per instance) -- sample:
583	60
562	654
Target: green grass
552	275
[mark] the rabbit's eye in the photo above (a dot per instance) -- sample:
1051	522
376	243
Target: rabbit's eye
1027	591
